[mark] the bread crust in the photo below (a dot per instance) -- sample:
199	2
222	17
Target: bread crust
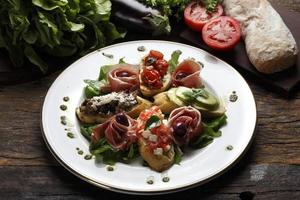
157	162
163	102
269	43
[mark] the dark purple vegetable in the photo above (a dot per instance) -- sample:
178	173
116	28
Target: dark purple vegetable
135	16
134	7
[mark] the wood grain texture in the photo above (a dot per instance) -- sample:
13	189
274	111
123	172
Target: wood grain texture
269	170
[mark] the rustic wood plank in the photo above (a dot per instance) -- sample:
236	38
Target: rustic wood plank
263	181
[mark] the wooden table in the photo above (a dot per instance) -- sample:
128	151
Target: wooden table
269	170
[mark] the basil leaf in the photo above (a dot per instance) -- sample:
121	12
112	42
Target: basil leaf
152	122
173	62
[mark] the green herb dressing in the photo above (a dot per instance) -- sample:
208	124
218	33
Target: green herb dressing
80	152
141	48
63	107
166	179
88	157
108	55
229	147
110	168
70	135
66	99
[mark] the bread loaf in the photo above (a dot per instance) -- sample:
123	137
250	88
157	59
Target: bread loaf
269	43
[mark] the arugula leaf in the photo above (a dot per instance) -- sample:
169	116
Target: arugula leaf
217	123
86	131
121	61
173	62
93	88
104	71
211	130
178	155
152	122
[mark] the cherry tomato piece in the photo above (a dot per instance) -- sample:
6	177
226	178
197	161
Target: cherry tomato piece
156	54
151	78
161	66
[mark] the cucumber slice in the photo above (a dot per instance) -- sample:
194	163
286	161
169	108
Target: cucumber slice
172	96
181	91
210	113
210	102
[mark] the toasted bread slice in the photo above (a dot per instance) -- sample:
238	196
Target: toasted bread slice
156	162
163	102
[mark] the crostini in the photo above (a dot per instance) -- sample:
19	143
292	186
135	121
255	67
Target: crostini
154	75
100	108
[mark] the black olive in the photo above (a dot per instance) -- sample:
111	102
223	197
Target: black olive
123	74
181	75
150	61
122	119
179	129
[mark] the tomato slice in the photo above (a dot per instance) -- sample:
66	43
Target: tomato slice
222	33
196	15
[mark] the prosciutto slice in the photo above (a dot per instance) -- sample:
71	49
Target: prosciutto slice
120	131
123	77
185	124
187	74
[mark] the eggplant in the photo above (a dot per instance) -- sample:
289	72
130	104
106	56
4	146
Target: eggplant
134	7
131	15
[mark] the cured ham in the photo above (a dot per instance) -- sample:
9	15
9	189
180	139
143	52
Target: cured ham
185	124
123	77
120	131
187	74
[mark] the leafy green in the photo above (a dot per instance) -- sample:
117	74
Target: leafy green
178	155
195	93
160	24
173	62
31	30
217	123
93	87
86	131
152	122
121	60
103	72
211	130
168	7
103	151
211	5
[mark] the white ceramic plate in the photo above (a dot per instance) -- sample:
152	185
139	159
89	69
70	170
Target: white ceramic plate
196	168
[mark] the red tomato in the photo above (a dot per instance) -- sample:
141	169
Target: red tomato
161	66
196	16
222	33
151	78
156	54
163	134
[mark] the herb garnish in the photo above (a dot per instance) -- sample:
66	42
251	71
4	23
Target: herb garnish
152	122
